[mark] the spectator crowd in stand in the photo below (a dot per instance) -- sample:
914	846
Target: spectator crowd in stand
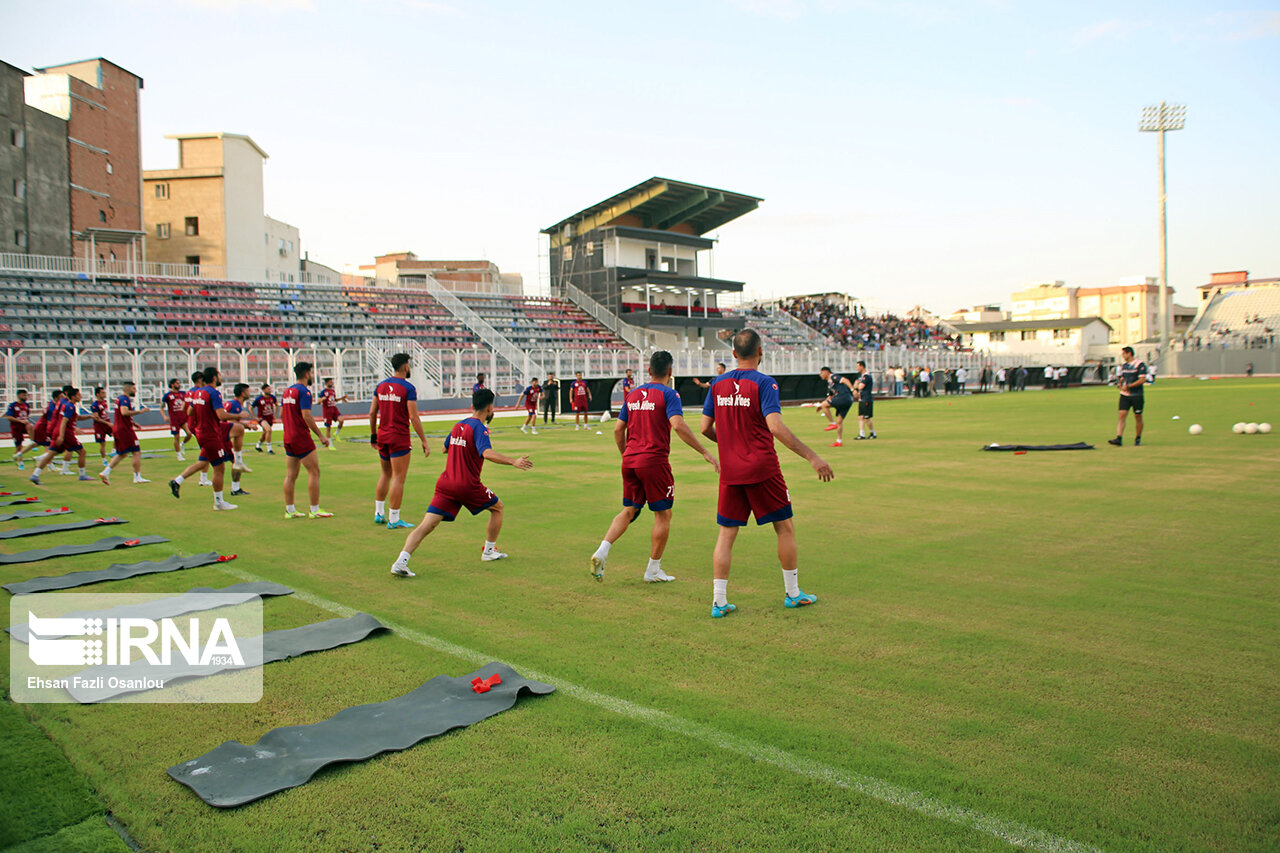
854	328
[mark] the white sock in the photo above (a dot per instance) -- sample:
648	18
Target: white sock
82	471
239	455
395	516
217	497
258	444
178	479
380	507
655	566
404	557
721	597
603	551
791	581
290	508
315	507
268	445
861	434
490	546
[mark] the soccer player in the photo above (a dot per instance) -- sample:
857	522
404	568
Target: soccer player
530	397
393	411
197	382
329	401
550	398
743	415
579	400
864	388
18	414
709	383
643	435
40	432
207	415
235	432
62	434
98	411
264	406
173	407
125	435
299	448
1131	378
840	399
628	382
477	387
466	450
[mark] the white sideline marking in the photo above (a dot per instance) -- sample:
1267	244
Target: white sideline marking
1012	832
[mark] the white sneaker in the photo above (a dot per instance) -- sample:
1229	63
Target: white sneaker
238	466
490	556
524	429
400	569
224	506
657	577
181	457
105	477
535	432
141	480
205	483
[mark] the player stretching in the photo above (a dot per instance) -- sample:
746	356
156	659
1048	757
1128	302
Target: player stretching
839	398
19	417
865	388
264	406
173	407
329	401
197	382
393	411
209	420
40	432
299	448
62	434
98	411
530	397
125	435
579	400
235	433
1131	378
743	416
466	450
643	434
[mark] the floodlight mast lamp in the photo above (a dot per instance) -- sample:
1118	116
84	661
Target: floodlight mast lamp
1160	118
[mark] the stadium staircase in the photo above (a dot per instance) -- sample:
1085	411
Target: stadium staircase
517	358
607	318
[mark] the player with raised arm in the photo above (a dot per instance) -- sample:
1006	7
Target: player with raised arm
99	409
125	434
839	399
18	414
529	396
643	435
299	447
580	401
466	450
1131	379
329	401
209	419
264	407
719	372
743	415
62	433
393	411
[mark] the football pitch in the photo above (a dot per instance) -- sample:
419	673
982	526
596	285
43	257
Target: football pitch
1056	651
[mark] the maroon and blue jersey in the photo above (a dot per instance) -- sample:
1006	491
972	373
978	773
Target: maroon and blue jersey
578	391
233	407
123	425
464	455
265	406
627	384
297	399
647	412
738	402
327	398
393	396
175	402
531	394
479	386
205	402
99	408
21	411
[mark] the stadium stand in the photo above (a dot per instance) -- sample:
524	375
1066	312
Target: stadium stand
777	328
1238	318
854	329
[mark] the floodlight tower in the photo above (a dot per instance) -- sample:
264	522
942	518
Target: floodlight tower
1160	118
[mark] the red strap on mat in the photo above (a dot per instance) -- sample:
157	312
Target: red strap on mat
226	558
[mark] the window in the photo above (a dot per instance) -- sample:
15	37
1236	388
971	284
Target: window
102	216
20	239
162	230
193	226
193	260
1061	334
996	336
1028	334
19	188
291	248
17	138
162	190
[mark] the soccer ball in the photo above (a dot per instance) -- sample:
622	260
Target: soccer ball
1195	429
1238	428
1264	428
1251	429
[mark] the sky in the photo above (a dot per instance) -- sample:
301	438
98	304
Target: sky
934	152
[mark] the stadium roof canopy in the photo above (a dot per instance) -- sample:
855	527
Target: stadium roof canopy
661	204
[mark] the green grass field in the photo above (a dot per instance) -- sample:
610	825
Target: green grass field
1066	650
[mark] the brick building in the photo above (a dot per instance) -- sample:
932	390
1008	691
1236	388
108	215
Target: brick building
35	212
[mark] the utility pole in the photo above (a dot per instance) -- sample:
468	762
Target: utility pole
1160	118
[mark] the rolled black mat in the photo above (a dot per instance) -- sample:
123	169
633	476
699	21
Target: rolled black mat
191	601
41	529
234	774
33	513
115	572
108	544
1079	445
18	501
276	645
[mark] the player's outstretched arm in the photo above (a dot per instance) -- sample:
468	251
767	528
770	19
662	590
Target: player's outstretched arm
412	409
524	463
686	435
701	384
708	427
784	434
620	435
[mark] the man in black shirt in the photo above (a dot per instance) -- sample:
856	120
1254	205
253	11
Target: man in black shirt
550	399
1131	378
839	398
864	388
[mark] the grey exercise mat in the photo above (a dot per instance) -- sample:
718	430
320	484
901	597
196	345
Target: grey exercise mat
33	513
191	601
276	646
19	501
11	494
108	544
115	572
233	773
41	529
1079	445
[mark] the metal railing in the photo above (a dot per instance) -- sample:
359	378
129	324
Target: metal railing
480	326
93	267
607	318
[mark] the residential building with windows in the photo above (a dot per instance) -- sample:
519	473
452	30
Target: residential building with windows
35	202
1065	340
